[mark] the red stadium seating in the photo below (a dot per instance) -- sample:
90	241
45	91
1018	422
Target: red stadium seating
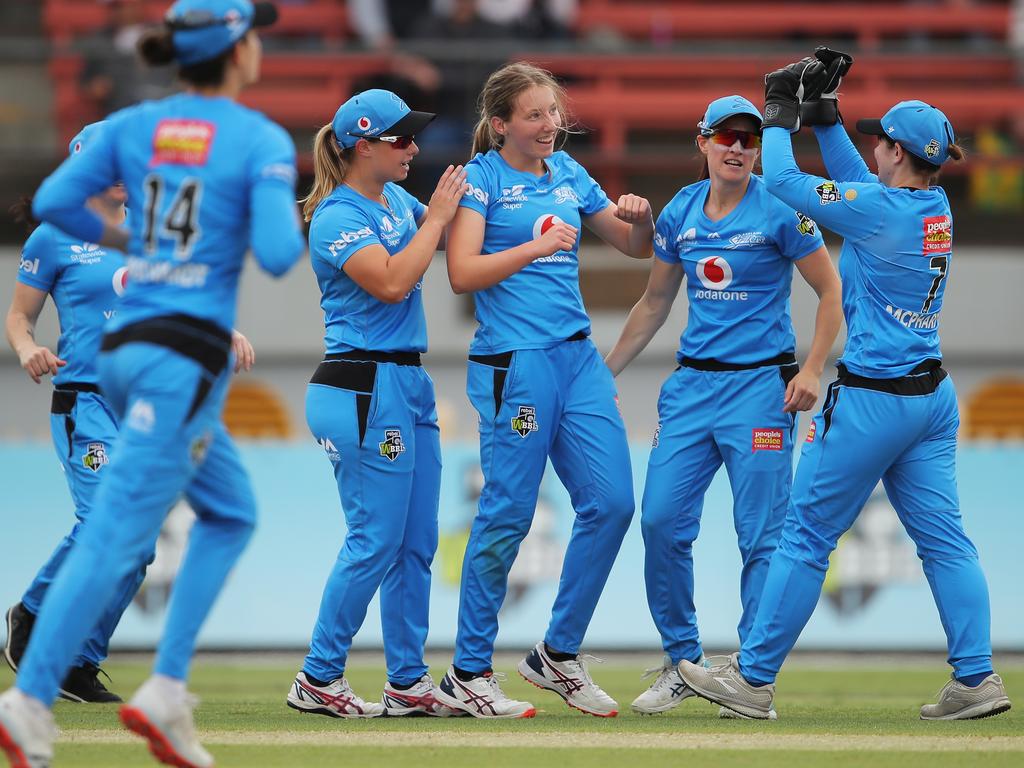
869	23
65	20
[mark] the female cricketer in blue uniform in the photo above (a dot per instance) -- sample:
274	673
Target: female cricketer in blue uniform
734	397
211	178
538	384
892	413
370	404
84	280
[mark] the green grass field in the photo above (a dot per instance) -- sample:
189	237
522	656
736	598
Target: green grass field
850	716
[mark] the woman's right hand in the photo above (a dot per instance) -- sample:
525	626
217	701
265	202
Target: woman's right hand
558	237
445	200
39	361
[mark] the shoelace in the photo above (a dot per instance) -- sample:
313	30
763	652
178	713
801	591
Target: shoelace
664	673
493	681
723	662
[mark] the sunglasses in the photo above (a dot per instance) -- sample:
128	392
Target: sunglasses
396	142
726	137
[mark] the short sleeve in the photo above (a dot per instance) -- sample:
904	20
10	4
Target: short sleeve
796	234
664	236
412	203
478	193
272	160
39	266
592	197
338	232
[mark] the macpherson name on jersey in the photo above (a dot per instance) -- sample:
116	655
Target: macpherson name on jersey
187	275
915	320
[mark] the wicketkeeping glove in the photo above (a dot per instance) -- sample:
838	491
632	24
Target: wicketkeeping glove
825	110
785	88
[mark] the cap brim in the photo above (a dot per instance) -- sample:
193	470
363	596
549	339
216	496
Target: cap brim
871	127
410	125
263	14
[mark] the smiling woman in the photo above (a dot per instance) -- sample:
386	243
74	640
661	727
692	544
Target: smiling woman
736	245
370	404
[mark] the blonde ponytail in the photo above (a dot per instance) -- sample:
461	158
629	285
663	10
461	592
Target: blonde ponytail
330	164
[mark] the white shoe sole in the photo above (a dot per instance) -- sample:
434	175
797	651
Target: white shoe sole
530	675
978	711
725	713
454	703
307	708
742	709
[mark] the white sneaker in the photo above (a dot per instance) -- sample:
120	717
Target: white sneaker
481	697
960	702
727	714
336	699
421	699
665	693
161	713
570	680
27	731
724	685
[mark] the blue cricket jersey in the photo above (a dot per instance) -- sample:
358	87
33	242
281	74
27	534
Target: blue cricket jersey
85	281
207	178
540	304
343	223
739	271
898	244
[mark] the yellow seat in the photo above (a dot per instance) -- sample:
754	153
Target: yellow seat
255	410
996	411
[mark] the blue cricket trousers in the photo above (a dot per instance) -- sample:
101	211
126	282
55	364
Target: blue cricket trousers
374	415
166	380
902	431
707	416
534	404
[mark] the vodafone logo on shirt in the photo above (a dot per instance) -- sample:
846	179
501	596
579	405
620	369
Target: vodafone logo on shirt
544	223
120	281
714	273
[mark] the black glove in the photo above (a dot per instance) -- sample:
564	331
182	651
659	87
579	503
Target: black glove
825	110
785	88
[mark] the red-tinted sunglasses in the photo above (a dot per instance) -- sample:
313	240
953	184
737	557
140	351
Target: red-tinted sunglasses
396	142
726	137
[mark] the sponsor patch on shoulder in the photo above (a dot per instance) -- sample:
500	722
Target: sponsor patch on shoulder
767	440
828	193
805	225
182	142
937	235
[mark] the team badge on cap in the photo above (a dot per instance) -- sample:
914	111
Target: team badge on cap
932	148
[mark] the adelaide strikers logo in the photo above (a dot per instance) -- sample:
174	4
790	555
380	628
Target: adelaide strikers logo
120	280
525	421
95	456
714	273
544	223
392	447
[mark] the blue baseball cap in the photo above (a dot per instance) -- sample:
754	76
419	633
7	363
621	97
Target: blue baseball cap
375	113
84	136
920	128
726	107
203	29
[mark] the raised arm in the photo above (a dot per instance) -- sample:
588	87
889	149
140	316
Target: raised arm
628	226
390	277
842	160
471	270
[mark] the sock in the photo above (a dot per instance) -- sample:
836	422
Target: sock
973	681
402	686
465	676
558	656
317	682
172	687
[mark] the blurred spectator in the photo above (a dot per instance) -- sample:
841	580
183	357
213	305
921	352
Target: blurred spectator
535	19
113	77
1015	36
462	76
380	22
996	182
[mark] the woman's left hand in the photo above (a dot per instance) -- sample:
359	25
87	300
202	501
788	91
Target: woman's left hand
634	209
801	392
245	355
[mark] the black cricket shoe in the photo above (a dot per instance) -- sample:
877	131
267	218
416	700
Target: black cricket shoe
83	685
19	629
